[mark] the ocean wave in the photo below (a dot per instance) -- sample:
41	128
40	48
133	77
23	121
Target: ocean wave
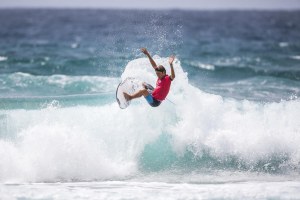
239	68
202	65
244	72
197	131
257	88
24	84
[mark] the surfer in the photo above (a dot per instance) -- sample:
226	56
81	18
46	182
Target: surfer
158	94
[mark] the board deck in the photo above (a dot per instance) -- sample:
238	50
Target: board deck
130	86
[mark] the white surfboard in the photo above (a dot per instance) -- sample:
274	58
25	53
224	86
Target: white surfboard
130	86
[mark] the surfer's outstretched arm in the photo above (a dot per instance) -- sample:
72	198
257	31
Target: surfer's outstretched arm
171	59
144	50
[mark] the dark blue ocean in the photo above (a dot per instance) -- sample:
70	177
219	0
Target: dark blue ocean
229	129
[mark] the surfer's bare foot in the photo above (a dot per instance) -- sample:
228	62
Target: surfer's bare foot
127	96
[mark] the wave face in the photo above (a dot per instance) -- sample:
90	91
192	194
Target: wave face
191	131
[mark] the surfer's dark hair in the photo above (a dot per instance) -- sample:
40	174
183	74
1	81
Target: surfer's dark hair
160	68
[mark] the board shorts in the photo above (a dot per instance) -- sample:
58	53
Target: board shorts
152	101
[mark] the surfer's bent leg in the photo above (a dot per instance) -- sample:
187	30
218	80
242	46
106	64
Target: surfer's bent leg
140	93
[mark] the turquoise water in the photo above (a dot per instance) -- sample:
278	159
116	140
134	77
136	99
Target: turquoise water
229	129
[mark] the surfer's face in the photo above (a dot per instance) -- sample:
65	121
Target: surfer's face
160	74
160	71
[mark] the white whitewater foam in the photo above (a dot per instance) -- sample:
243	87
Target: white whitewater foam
297	57
105	142
202	65
2	58
283	44
120	190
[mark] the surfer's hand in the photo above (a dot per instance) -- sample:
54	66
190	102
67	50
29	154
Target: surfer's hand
144	50
171	59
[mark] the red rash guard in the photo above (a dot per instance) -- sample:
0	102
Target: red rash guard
162	88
